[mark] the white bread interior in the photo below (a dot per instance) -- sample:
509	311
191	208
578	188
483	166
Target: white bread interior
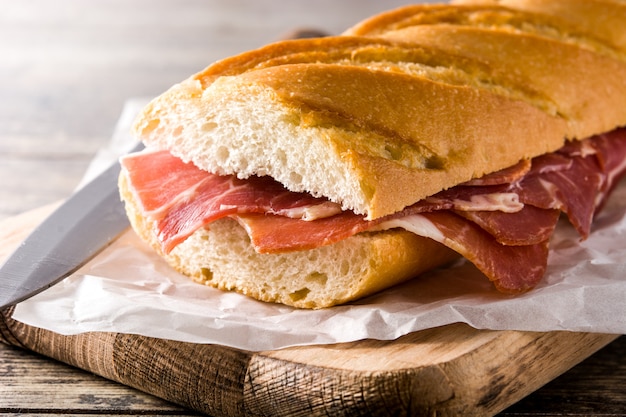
221	256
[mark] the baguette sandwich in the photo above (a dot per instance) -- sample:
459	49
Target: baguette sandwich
314	172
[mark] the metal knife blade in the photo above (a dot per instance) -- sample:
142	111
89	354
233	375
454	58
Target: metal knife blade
80	228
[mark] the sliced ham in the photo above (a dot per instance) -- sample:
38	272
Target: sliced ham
529	226
611	156
502	223
160	180
577	179
188	198
296	234
572	190
512	269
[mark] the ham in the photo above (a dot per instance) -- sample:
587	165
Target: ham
529	226
611	156
577	179
188	198
512	269
300	235
502	223
572	190
160	181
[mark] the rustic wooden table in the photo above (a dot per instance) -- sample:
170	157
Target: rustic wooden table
66	69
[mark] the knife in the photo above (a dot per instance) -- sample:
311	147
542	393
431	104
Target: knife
80	228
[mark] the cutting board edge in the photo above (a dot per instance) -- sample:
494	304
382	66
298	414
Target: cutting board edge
455	392
257	379
252	387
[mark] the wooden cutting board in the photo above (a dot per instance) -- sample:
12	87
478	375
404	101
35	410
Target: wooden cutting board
451	370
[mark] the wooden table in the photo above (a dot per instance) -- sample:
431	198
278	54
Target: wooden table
66	69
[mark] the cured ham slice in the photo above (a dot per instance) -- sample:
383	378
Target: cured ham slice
300	235
577	179
188	198
529	226
219	196
502	223
611	156
572	191
511	268
160	180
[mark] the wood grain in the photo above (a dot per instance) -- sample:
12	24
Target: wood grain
31	385
597	387
452	370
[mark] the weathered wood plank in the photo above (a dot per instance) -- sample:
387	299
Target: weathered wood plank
595	387
34	384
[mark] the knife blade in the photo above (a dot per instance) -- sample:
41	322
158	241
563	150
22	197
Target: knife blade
90	220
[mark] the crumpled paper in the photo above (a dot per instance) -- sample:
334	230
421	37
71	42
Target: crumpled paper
129	289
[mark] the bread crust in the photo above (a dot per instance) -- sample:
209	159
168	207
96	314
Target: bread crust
601	19
579	70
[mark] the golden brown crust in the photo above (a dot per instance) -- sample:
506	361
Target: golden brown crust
572	78
577	67
600	19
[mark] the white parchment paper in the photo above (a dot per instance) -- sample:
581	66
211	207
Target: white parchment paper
129	289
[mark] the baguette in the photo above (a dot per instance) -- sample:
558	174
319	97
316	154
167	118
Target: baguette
401	107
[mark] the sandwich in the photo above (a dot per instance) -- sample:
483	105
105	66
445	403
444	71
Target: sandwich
315	172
